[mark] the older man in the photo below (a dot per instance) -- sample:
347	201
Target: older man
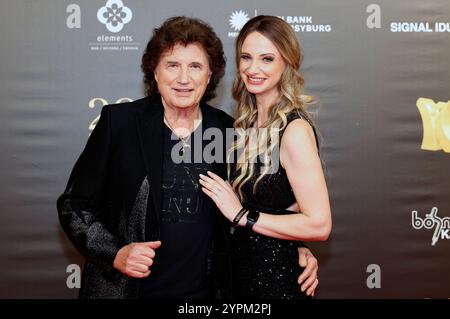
137	215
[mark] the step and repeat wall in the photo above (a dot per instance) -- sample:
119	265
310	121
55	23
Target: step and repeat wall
379	70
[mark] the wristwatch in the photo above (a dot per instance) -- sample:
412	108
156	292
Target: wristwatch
252	218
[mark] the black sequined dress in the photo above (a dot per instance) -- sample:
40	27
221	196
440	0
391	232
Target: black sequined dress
266	267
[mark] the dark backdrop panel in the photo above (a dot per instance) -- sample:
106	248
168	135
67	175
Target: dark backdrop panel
58	68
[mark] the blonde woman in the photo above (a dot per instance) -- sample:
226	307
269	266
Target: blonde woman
277	174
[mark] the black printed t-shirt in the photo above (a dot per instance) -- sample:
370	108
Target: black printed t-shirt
187	218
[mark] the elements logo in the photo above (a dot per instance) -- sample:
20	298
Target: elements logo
442	225
114	15
436	124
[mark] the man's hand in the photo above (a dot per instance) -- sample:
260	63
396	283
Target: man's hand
134	260
308	278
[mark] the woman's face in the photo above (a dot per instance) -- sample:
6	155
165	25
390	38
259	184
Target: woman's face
260	65
182	75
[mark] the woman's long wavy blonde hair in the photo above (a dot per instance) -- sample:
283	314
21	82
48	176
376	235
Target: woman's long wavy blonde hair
291	99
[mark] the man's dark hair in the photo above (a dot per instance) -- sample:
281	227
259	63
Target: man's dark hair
183	30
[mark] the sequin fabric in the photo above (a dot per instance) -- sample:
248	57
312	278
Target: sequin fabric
265	267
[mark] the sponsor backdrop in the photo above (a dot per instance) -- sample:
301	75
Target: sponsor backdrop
379	69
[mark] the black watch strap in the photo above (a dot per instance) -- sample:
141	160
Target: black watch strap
252	218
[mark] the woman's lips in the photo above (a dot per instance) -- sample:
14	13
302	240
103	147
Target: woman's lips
255	80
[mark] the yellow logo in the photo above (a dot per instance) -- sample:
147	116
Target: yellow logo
436	124
99	100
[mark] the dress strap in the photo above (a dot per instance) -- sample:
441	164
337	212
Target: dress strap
295	115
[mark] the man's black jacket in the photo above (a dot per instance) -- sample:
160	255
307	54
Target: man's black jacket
115	184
